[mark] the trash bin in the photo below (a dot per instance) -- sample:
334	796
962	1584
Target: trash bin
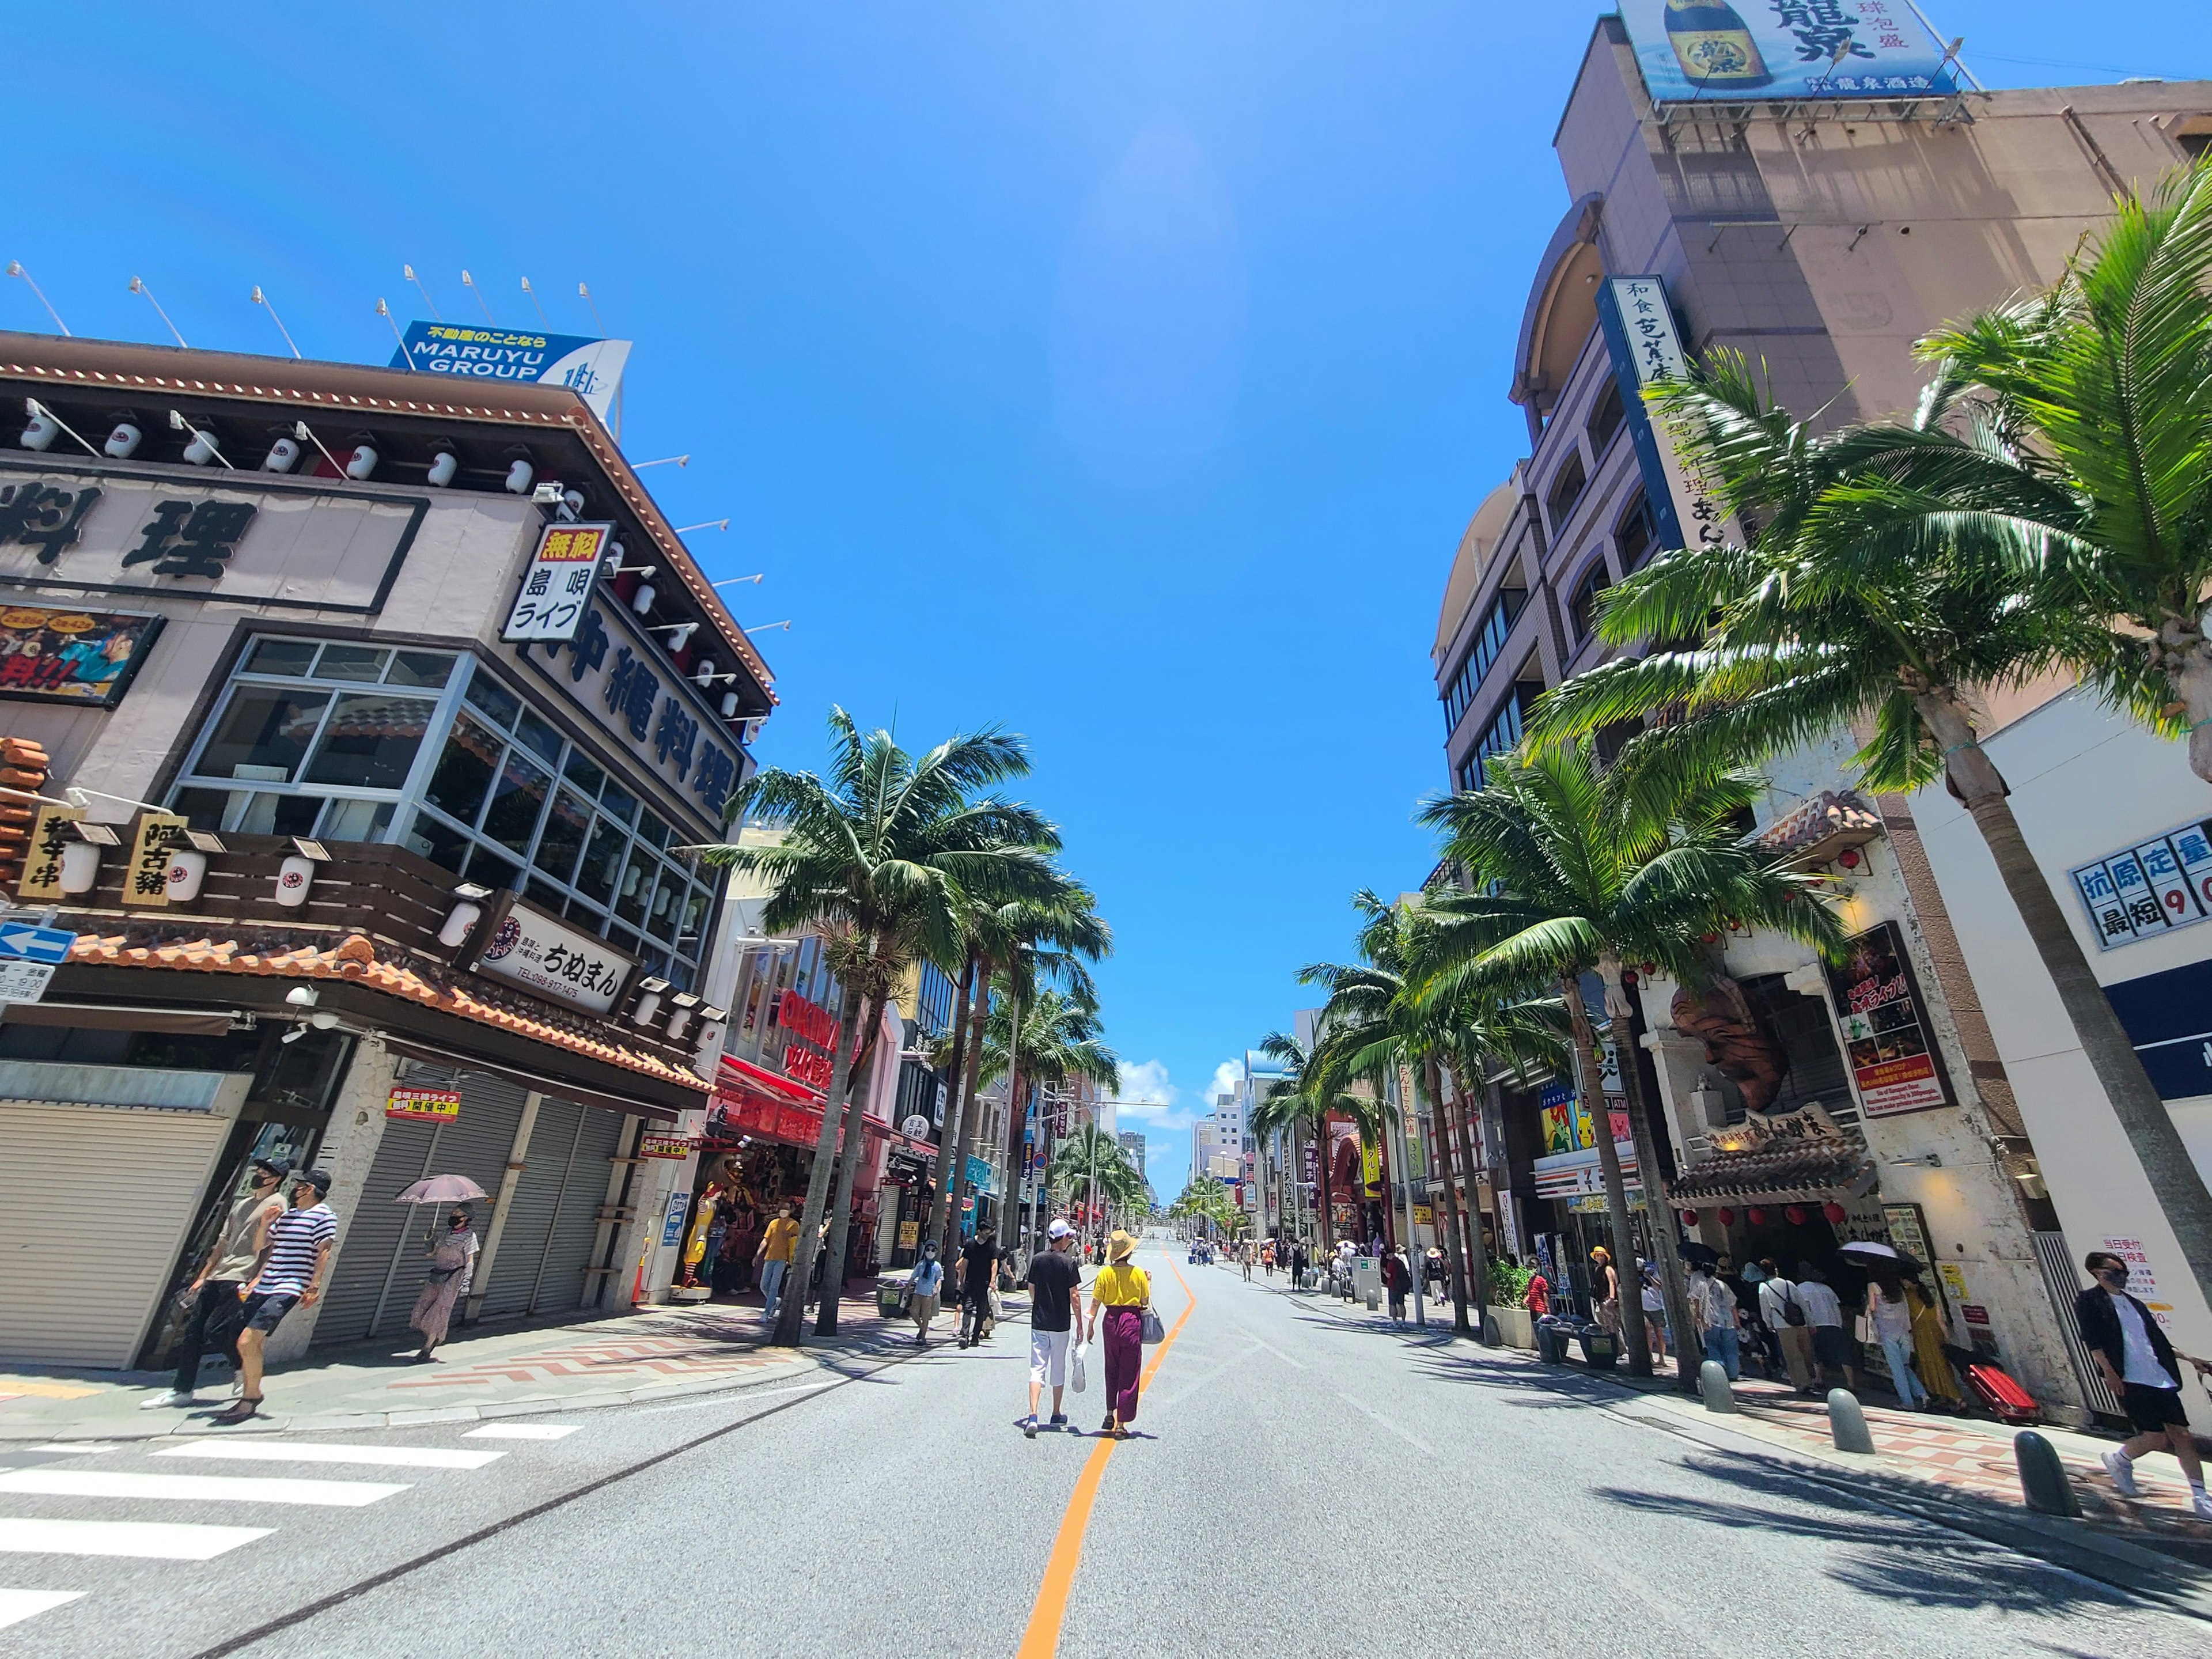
1600	1347
1551	1342
890	1296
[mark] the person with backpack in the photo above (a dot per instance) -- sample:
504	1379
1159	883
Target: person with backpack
1785	1316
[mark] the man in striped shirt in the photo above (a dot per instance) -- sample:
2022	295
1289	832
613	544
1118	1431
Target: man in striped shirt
288	1274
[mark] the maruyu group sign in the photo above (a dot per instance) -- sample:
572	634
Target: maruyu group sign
1731	50
593	369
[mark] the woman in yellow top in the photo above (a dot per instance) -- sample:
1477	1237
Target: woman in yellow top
1119	1297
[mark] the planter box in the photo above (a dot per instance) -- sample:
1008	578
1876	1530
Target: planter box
1516	1328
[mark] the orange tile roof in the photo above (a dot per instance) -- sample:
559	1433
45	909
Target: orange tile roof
354	960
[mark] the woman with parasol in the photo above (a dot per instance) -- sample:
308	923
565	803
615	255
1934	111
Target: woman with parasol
452	1258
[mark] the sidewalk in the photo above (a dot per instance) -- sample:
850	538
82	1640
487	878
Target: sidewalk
507	1371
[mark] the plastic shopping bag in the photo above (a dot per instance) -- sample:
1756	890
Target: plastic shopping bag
1076	1356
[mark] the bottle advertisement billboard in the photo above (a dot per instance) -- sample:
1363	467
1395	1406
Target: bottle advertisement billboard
1731	50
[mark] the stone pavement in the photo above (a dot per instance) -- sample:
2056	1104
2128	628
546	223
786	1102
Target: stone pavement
503	1370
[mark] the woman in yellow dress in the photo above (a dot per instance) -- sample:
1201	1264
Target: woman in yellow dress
1119	1297
1928	1356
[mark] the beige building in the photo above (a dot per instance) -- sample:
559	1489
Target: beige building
1822	239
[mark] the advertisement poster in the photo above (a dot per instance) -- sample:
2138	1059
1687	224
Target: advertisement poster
557	584
590	369
2147	890
2142	1283
1892	1057
424	1105
1729	50
85	657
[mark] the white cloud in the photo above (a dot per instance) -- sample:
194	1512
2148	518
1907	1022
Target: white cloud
1148	1098
1227	1077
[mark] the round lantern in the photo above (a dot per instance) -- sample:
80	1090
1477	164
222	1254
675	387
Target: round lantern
1726	1218
1689	1218
1795	1215
1756	1216
1834	1211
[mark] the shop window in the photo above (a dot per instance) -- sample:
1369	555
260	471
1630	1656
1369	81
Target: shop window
353	662
369	741
264	734
565	829
587	777
438	843
495	699
516	802
292	657
465	771
602	864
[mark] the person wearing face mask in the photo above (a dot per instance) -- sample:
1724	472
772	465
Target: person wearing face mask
2142	1368
452	1265
215	1293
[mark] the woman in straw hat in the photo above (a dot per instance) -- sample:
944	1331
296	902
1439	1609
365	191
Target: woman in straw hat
1119	1297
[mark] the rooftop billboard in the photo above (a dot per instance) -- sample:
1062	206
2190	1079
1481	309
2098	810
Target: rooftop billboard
590	369
1713	50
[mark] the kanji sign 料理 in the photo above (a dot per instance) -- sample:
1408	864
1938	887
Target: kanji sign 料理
191	538
2150	888
557	585
424	1105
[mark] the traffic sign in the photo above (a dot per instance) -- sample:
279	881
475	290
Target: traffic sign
31	943
24	982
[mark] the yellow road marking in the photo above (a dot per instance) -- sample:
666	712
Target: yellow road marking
1042	1640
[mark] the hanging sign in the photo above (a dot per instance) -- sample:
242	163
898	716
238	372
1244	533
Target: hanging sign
42	864
424	1105
557	584
1894	1064
146	882
668	1147
549	958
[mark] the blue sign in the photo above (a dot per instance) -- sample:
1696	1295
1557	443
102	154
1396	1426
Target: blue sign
1721	51
590	369
979	1175
2166	1017
34	944
679	1206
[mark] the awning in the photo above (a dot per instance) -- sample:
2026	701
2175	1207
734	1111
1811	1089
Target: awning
1788	1175
738	1074
534	1080
102	1017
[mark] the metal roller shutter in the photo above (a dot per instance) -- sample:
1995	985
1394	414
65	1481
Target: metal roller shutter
530	1213
96	1201
378	1271
561	1285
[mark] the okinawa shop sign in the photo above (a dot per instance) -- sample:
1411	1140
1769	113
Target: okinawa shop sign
549	958
1891	1050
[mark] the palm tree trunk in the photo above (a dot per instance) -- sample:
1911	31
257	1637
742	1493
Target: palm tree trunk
855	1154
793	1311
957	1185
949	1139
1018	1125
1452	1253
1455	1123
1609	1162
2174	1179
1657	1210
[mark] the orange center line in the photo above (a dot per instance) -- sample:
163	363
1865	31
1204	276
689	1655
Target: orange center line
1041	1640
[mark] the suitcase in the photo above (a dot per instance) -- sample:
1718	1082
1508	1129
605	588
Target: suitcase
2002	1397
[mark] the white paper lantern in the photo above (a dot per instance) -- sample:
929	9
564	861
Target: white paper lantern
294	877
187	870
80	867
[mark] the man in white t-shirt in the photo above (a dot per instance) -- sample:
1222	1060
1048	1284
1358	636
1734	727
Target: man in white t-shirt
1778	1301
1824	1312
2142	1368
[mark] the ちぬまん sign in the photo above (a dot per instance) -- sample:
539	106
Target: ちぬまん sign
424	1105
1892	1053
551	959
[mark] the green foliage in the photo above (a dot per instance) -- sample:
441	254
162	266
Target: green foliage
1509	1286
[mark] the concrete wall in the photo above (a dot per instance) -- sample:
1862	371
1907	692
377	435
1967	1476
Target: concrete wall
348	1152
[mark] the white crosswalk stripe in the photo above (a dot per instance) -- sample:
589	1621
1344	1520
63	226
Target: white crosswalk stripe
286	1451
522	1431
149	1541
16	1606
195	1488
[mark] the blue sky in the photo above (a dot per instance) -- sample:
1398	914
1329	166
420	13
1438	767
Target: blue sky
1123	374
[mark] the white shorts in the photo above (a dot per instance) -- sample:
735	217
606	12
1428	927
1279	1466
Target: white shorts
1048	1354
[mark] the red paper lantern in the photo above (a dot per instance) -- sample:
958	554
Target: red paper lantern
1795	1215
1689	1218
1726	1218
1834	1211
1756	1216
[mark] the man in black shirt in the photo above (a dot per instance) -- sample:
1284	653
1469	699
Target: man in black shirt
979	1264
1056	1310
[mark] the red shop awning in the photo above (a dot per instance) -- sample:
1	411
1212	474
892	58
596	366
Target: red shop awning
739	1075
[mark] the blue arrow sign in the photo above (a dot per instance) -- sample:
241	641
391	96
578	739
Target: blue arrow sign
34	944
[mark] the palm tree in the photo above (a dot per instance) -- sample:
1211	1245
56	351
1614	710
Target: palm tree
1867	602
880	855
1090	1165
1571	878
1291	1104
1058	1040
1045	939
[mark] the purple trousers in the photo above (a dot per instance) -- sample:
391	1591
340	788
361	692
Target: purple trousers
1125	1360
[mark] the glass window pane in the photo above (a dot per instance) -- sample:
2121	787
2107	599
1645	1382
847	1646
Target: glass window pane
370	741
580	772
263	734
667	900
565	829
494	870
465	770
203	809
351	662
595	876
539	735
617	802
430	668
543	894
695	913
438	842
654	830
623	940
495	699
355	820
516	801
278	815
636	891
587	916
280	657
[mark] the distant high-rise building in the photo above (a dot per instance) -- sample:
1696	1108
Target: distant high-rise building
1132	1143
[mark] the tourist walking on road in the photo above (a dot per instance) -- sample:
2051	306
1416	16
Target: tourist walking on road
979	1266
772	1261
1891	1323
1785	1316
2140	1366
289	1274
1395	1277
452	1264
924	1290
1055	1313
1244	1255
1712	1309
1832	1345
1119	1297
215	1295
1298	1267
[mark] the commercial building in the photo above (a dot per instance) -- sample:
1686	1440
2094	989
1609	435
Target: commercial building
360	728
1132	1142
1819	229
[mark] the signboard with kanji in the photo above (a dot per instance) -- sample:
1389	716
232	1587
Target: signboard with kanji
1646	347
1733	50
423	1105
2146	890
42	864
1893	1059
146	882
557	584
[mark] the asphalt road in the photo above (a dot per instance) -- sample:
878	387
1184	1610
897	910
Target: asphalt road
1306	1480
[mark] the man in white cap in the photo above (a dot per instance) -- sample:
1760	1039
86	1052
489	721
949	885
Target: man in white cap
1055	1311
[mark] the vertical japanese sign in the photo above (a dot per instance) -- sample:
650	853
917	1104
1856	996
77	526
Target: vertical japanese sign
1647	350
146	884
557	584
2142	1283
2143	891
42	865
1893	1061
